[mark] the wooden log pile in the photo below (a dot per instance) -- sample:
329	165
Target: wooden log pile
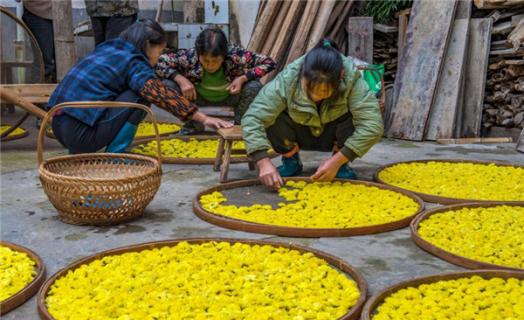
285	30
504	95
385	52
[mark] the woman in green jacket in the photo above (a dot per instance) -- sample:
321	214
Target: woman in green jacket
319	102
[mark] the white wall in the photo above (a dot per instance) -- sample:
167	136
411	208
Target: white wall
246	13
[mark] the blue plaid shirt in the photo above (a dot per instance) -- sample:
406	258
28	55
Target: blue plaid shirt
111	69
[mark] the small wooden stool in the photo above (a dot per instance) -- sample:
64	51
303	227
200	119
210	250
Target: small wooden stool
225	150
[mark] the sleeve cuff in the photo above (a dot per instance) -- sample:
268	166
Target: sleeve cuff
250	75
258	155
348	153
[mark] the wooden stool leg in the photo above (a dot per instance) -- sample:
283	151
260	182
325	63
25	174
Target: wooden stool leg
220	154
225	164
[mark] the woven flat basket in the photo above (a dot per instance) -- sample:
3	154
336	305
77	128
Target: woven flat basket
98	188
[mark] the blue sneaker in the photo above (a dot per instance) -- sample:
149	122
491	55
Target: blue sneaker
345	172
123	138
291	166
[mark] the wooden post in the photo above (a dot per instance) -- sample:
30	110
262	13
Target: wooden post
520	142
65	56
319	28
360	38
191	8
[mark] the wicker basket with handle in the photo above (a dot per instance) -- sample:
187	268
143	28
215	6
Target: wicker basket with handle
99	188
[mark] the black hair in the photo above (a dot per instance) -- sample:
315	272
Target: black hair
142	32
211	41
323	65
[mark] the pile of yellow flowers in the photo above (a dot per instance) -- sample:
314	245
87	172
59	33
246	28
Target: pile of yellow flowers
17	131
177	148
458	180
468	298
17	270
492	234
146	129
320	205
213	280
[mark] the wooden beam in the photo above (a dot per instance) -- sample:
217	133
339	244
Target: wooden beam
419	67
64	38
264	25
298	45
475	140
448	100
360	38
476	69
497	4
319	28
520	143
279	21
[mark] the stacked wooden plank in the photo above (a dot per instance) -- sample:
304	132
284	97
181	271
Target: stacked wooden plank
504	95
386	52
285	30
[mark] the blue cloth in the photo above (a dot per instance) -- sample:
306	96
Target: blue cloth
112	68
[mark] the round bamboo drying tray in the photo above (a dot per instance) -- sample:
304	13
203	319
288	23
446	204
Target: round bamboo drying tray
446	255
11	137
98	188
248	226
335	262
173	160
440	199
31	288
377	299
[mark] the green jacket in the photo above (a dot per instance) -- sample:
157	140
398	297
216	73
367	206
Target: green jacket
285	93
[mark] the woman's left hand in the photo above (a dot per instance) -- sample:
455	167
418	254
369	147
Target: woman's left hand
236	85
328	168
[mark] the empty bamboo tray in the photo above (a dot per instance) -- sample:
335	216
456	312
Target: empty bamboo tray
31	288
292	231
98	188
335	263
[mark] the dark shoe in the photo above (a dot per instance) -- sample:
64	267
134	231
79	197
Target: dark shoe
190	128
290	166
345	172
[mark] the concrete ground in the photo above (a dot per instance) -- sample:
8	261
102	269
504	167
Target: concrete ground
28	218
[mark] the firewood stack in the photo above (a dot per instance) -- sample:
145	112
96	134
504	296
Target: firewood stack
504	95
385	52
285	30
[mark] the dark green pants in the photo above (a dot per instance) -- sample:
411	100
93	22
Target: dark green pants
285	133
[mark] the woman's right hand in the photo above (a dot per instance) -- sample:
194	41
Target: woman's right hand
268	174
187	88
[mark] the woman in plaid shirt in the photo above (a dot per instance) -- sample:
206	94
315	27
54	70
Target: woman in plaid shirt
215	73
118	70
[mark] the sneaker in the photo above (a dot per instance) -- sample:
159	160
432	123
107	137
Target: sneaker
291	166
345	172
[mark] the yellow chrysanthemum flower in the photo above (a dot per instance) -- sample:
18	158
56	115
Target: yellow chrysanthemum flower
458	180
146	129
321	205
177	148
493	234
17	131
468	298
213	280
17	270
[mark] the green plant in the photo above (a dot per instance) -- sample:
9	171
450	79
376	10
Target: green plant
383	10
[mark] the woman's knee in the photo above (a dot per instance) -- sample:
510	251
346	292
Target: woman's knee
251	88
171	84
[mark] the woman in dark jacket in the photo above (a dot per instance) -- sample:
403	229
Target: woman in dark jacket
118	70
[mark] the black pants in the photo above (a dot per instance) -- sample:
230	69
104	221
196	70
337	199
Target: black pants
285	133
42	29
240	102
79	137
106	28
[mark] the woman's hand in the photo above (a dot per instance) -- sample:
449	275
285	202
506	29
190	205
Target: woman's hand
328	168
236	85
214	123
188	89
268	174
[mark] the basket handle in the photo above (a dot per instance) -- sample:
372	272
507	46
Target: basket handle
86	105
